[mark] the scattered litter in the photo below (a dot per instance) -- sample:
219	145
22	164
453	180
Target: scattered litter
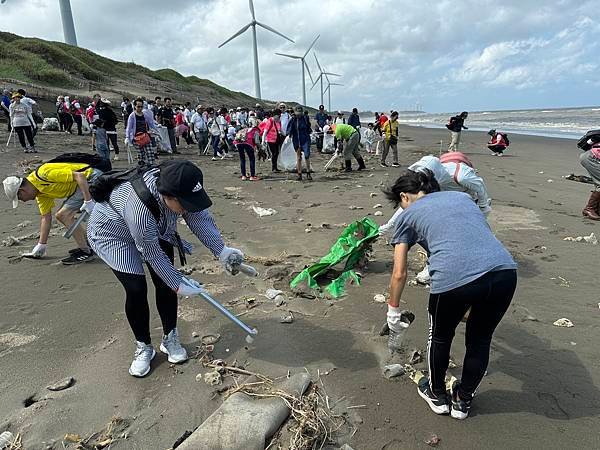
541	172
433	441
262	212
413	283
591	239
579	178
378	205
279	300
563	281
72	437
378	213
10	241
195	334
573	343
232	188
307	230
564	322
379	298
213	378
199	377
7	440
393	370
353	207
326	226
24	224
550	181
373	194
451	364
210	339
62	384
287	318
272	293
415	357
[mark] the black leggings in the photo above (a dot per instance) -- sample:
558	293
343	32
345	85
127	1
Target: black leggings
488	297
114	140
23	132
136	300
497	148
274	147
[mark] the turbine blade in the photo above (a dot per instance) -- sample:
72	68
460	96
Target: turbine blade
308	70
289	56
319	65
272	30
326	89
332	74
336	84
252	10
311	45
316	81
236	35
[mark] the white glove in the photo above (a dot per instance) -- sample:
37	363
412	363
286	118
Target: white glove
231	258
189	287
127	142
88	206
398	322
38	251
486	210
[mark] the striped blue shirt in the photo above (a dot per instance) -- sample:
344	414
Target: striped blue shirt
126	235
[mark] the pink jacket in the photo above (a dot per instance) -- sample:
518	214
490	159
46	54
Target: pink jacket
272	128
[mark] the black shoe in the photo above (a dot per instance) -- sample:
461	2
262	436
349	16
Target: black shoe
299	177
460	408
439	405
78	257
348	166
395	165
309	176
361	163
383	164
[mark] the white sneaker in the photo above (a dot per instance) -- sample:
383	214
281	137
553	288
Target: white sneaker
171	346
144	353
116	158
423	276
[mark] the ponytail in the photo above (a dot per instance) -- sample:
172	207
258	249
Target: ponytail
412	182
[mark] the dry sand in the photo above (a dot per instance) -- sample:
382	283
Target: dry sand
541	389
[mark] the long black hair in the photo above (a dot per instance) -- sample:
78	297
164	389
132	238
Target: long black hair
412	182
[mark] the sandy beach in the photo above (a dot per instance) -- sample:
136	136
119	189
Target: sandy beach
541	390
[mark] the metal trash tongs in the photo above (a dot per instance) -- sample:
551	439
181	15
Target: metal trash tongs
247	270
82	217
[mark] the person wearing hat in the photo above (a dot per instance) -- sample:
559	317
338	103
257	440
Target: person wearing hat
390	132
199	127
49	182
21	120
497	143
125	234
260	112
299	130
284	117
5	105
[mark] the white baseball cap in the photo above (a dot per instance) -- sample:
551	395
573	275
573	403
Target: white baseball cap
11	188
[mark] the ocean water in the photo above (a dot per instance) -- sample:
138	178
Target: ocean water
570	123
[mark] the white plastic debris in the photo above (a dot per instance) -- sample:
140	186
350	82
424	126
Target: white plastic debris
564	322
272	293
378	213
393	370
262	212
379	298
353	207
378	205
591	239
373	194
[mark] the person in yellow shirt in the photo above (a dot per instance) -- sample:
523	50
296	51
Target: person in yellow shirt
49	182
390	130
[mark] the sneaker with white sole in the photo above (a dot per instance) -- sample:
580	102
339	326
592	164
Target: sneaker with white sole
171	346
144	353
438	404
460	408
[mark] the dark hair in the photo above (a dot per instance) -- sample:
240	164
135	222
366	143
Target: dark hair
167	98
157	98
411	182
276	112
464	114
139	99
354	110
22	92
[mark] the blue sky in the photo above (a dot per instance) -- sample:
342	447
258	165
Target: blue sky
446	55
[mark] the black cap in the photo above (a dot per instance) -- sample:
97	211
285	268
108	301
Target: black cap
184	181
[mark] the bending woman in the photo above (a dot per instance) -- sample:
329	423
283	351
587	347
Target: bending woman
469	268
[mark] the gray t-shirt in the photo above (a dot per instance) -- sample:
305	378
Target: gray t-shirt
455	233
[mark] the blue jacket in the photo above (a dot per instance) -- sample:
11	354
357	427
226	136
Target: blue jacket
299	130
6	100
321	119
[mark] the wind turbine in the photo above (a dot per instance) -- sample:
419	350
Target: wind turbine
253	24
67	21
320	77
303	64
328	90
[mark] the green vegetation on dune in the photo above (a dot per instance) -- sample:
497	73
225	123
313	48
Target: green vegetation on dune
59	65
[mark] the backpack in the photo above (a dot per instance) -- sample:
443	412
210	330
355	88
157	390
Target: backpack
241	135
451	123
593	135
102	187
505	137
92	160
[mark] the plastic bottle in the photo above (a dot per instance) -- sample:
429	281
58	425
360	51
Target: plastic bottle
6	439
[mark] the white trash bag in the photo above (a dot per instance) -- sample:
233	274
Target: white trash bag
162	139
50	124
287	156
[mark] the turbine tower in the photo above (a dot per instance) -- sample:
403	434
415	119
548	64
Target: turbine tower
66	16
303	65
253	24
328	90
320	77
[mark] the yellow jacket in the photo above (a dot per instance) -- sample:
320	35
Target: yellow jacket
389	128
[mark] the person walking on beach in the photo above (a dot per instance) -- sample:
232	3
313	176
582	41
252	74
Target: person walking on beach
245	142
77	112
21	120
110	120
137	225
166	117
49	182
369	138
299	130
273	136
139	124
284	118
470	268
354	119
590	160
5	106
456	124
344	132
321	119
199	129
498	142
390	131
68	116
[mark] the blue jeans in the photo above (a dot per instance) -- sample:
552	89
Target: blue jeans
245	148
215	140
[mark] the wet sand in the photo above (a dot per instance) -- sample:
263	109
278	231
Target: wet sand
541	390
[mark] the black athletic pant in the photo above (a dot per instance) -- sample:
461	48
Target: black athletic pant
274	147
23	132
488	297
113	139
7	114
136	300
497	148
79	123
68	122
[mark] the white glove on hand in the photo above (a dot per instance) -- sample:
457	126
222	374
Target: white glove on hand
486	210
231	258
189	287
398	322
88	206
38	251
127	142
